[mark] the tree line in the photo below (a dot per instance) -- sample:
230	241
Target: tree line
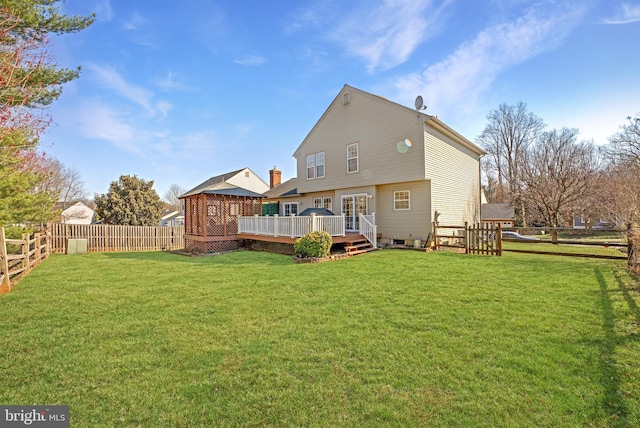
550	178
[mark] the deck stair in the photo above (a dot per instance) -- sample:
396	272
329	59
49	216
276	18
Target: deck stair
358	245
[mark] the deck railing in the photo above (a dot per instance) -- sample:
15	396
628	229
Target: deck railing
369	229
291	226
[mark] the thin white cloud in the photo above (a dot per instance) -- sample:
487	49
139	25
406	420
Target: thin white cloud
170	83
104	11
251	60
386	36
136	22
98	121
469	72
315	16
144	98
625	14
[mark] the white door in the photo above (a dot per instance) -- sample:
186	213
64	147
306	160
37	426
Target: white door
352	207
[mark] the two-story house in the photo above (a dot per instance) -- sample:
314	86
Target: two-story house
370	155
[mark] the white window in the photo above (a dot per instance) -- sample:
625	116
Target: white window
311	167
352	157
320	165
325	202
290	208
315	166
401	200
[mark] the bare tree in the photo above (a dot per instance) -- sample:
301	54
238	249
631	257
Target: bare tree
63	183
172	196
506	138
623	174
560	175
624	146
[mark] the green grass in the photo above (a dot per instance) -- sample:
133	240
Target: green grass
390	338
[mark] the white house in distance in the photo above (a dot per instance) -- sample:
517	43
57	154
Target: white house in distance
368	155
78	213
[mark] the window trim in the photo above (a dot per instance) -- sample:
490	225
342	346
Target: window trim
356	157
323	202
318	155
396	200
290	204
312	165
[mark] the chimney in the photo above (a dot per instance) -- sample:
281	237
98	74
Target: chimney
275	177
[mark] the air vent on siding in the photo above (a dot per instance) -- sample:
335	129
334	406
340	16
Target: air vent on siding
346	99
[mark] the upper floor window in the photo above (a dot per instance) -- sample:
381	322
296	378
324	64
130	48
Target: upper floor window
352	157
315	166
401	200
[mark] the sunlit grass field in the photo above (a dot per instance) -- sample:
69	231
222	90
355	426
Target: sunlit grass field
389	338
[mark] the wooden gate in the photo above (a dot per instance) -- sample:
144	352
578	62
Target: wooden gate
473	239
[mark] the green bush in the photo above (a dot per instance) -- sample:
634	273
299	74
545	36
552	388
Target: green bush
314	244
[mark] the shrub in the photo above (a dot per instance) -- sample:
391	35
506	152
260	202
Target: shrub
314	244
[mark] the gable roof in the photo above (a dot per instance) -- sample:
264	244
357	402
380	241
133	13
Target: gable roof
497	212
220	185
211	183
431	121
288	188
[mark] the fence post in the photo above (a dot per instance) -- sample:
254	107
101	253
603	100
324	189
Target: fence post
630	247
36	247
25	254
434	227
499	239
4	264
466	238
275	225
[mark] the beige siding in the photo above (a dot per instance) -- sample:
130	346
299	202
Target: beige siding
411	224
378	126
247	179
455	179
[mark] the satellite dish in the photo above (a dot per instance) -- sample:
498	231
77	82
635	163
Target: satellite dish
419	103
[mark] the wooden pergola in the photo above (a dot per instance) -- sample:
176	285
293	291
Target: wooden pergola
211	218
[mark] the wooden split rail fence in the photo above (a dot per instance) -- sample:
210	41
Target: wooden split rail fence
19	256
106	238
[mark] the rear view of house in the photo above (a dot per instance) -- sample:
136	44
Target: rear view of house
368	155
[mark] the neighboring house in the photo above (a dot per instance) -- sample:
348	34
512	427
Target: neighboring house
581	222
212	209
498	214
369	155
172	218
78	213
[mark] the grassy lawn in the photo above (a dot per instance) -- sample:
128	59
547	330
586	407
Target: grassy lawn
389	338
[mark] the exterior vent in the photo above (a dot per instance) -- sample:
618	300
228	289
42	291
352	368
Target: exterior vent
346	99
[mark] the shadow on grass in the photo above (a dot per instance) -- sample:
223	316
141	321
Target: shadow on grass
614	404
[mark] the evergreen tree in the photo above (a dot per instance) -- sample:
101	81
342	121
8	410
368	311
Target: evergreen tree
130	201
29	82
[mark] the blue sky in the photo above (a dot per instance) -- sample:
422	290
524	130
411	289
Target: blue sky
177	92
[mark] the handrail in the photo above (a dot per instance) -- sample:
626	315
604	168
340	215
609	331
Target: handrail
369	230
